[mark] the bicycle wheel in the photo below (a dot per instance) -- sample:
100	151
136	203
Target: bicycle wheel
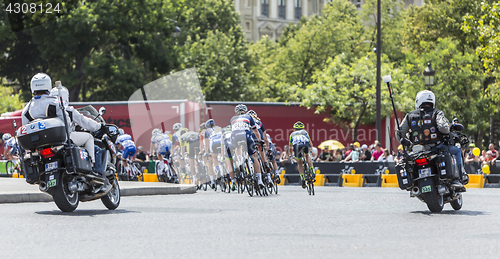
9	167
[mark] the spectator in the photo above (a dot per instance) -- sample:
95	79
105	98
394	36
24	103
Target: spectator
377	153
337	157
353	156
489	159
366	155
325	155
351	148
141	155
284	158
385	157
399	157
491	148
483	156
372	146
470	157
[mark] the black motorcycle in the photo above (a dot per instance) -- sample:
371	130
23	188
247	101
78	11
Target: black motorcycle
429	174
64	170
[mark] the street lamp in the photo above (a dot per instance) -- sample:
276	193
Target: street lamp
429	75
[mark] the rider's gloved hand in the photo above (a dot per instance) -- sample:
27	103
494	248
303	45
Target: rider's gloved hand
457	127
269	152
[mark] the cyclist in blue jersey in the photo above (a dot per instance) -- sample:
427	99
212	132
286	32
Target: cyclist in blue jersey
161	145
205	153
213	138
271	154
262	131
127	146
242	126
10	147
300	143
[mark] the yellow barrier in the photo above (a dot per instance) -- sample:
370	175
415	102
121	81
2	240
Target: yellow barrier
475	181
282	178
16	175
150	178
352	180
320	180
389	180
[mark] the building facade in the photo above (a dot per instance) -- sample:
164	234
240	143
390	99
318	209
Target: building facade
270	17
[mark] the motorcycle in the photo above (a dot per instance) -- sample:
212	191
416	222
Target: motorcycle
428	174
62	169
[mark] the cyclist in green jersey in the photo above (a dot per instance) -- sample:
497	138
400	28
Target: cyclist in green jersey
301	143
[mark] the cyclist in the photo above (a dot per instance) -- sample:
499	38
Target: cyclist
176	139
213	138
127	146
228	149
161	145
242	126
10	148
300	141
271	154
190	141
204	154
262	132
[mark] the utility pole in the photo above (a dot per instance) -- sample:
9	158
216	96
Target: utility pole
379	43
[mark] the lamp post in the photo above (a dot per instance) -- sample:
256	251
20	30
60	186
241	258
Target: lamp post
429	76
379	78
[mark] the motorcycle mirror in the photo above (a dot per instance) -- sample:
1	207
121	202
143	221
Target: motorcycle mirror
455	121
102	111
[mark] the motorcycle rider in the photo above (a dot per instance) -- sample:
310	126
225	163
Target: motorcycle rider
81	138
42	105
429	127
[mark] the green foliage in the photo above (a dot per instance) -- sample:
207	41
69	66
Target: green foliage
9	101
222	62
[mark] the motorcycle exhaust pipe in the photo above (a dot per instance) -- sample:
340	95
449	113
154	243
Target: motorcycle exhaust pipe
42	186
415	191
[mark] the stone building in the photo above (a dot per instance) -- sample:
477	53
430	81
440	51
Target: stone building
270	17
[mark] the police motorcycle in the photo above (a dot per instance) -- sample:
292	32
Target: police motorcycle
62	169
428	174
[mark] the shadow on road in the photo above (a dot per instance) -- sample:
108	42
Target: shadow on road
451	212
85	213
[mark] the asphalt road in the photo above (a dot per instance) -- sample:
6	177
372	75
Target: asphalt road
337	222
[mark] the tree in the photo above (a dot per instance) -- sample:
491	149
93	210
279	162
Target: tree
222	62
349	88
9	101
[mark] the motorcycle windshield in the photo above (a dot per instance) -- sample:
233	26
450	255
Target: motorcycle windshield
91	112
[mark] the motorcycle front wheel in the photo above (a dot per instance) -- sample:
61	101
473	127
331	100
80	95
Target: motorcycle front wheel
112	199
64	199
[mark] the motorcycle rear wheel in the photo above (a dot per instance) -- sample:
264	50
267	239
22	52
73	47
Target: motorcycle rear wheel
64	199
434	201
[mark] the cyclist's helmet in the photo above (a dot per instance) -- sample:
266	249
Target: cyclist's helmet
156	132
6	136
252	113
177	126
240	108
228	128
202	127
121	131
298	125
210	123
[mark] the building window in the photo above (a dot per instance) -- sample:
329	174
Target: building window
265	8
282	9
247	25
357	3
298	9
315	6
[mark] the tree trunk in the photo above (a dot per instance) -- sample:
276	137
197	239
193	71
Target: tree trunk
363	110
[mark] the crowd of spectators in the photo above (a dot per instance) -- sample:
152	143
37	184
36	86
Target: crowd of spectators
487	157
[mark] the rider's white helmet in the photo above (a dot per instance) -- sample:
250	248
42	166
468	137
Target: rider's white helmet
41	82
425	96
156	132
6	136
121	131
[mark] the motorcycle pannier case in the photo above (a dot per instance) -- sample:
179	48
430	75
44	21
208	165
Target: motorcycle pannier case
405	176
447	166
31	172
40	133
82	160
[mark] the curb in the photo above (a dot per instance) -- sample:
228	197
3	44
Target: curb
127	190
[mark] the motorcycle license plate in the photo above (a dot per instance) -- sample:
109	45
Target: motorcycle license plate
51	166
424	172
